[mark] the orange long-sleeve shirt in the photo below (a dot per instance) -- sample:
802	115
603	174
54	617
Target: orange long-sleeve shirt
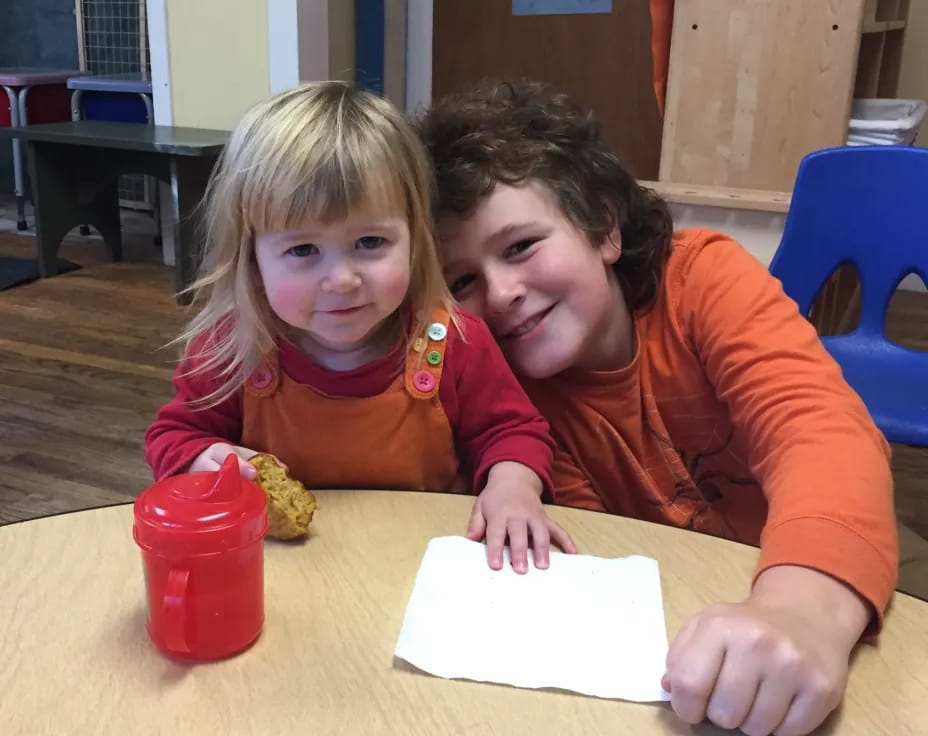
732	419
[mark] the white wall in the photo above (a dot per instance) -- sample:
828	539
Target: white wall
759	232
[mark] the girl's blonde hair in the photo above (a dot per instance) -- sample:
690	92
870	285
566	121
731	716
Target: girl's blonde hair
318	151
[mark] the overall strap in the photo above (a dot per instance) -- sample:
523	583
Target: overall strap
265	379
426	357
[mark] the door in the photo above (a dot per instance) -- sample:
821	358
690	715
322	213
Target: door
603	60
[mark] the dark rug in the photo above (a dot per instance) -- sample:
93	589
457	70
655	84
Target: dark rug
17	271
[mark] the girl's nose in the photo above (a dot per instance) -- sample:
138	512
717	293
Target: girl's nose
340	278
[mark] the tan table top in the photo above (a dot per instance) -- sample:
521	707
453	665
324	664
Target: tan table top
76	658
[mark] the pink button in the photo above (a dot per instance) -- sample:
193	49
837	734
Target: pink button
261	378
423	381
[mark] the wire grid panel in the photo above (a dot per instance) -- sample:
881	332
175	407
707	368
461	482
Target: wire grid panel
113	39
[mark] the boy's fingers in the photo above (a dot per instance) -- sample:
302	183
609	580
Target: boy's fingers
677	650
679	645
733	694
806	712
771	704
693	674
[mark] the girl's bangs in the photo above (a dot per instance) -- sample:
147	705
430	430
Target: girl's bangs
321	186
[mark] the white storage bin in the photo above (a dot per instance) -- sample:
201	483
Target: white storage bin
885	122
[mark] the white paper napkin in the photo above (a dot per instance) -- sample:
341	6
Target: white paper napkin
587	624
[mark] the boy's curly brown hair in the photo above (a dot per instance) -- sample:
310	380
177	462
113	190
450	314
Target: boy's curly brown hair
513	133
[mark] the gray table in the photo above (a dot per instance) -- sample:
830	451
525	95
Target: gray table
74	167
17	82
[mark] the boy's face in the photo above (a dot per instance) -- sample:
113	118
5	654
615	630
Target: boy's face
548	294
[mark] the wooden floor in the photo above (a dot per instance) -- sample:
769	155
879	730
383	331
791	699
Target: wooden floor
83	370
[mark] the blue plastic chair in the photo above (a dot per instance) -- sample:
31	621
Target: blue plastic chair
866	206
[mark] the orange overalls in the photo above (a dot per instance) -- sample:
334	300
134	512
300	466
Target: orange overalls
400	439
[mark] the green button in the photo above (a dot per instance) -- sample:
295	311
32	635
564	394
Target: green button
434	357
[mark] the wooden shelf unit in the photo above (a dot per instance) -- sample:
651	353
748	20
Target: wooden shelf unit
737	199
885	10
755	85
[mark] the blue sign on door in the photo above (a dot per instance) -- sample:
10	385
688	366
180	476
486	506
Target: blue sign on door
560	7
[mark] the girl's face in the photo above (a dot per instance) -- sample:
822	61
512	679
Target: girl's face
547	293
335	284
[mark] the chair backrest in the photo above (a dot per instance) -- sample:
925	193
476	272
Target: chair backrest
867	206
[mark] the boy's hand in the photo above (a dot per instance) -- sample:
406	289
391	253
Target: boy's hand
510	505
777	662
213	457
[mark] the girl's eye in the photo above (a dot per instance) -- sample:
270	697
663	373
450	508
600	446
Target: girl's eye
301	251
461	283
518	248
369	242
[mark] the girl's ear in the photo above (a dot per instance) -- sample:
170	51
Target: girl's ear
611	247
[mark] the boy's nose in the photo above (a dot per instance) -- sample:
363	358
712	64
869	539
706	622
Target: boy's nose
503	292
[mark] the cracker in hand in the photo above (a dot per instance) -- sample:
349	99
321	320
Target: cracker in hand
290	505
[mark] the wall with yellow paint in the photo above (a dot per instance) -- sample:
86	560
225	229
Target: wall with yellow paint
913	79
218	52
341	40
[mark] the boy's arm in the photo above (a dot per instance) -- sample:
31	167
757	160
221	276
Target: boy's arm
811	444
179	433
778	661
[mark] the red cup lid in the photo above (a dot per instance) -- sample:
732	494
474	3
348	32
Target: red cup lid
201	513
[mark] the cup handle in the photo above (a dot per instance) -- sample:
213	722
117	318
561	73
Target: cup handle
174	609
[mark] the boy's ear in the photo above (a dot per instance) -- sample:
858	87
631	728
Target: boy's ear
611	247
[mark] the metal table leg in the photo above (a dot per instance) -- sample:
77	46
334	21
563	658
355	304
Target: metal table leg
153	183
76	104
21	223
77	114
23	119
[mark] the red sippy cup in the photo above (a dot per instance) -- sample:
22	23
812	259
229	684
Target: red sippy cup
202	536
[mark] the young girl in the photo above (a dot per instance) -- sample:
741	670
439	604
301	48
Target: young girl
328	337
683	387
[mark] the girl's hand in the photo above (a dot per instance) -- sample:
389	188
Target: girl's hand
213	457
510	506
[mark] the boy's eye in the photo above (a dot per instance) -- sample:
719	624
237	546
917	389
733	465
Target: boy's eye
461	283
302	250
520	247
369	242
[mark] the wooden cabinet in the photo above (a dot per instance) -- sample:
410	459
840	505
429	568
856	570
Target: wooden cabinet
755	85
